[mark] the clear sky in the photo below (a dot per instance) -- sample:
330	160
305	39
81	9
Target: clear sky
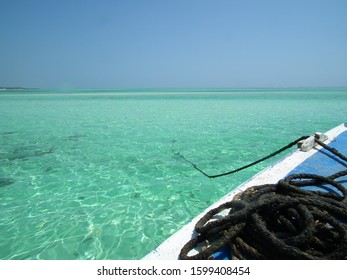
173	43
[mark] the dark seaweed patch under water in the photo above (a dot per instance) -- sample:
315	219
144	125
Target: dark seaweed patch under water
6	181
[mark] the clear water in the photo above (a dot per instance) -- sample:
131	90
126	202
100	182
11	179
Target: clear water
93	174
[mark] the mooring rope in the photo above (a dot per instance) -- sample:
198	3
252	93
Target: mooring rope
246	166
279	221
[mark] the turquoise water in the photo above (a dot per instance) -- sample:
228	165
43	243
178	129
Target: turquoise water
93	174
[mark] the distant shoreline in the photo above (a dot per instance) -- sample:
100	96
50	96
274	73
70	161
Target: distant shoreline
174	88
17	88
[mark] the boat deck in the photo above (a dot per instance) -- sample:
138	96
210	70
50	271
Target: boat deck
316	161
325	163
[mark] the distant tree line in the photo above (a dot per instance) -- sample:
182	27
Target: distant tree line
16	88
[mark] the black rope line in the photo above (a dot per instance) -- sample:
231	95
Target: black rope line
246	166
278	221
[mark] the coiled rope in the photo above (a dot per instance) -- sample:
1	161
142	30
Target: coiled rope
279	221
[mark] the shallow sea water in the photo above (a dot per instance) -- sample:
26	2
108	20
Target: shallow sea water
94	174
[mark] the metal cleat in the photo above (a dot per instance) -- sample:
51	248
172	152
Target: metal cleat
310	142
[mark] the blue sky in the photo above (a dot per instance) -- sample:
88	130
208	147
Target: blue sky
173	44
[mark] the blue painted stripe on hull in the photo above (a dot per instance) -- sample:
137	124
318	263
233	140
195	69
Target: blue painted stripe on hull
324	163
